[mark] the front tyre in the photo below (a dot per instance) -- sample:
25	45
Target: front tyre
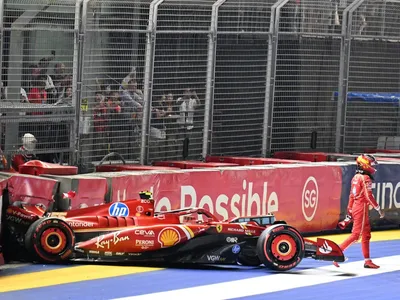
50	240
280	247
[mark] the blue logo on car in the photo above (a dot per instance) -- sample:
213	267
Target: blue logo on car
236	249
118	209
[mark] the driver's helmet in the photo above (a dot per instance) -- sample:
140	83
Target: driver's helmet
366	163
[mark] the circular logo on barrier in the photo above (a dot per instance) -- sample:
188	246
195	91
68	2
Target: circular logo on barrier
309	200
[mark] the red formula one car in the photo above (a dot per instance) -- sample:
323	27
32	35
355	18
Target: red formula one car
132	231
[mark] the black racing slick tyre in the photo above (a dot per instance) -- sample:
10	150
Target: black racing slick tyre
280	247
50	240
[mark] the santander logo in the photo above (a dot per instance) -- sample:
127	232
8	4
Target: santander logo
244	201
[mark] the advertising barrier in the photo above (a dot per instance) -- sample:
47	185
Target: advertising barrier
306	197
386	189
311	196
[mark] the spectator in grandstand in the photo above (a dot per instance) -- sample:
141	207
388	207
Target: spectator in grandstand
4	93
116	122
37	93
187	105
157	129
60	80
40	71
65	98
131	96
169	104
24	153
114	102
100	124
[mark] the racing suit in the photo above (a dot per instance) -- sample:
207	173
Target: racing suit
360	199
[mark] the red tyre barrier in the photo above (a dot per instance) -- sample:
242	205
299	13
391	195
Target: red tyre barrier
118	168
186	164
37	167
248	161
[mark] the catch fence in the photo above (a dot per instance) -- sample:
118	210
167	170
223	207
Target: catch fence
173	79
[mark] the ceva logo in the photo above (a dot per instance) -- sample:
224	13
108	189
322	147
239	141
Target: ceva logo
118	209
309	198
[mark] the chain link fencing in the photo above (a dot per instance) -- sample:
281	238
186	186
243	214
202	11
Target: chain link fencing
37	113
241	61
168	79
113	55
374	70
179	79
307	75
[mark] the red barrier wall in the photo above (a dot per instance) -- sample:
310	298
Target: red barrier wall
32	189
89	190
306	197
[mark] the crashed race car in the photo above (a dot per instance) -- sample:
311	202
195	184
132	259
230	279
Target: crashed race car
131	231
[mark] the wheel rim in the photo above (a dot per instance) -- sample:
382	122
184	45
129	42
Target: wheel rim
284	247
53	240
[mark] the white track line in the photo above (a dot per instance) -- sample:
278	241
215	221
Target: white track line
13	266
277	282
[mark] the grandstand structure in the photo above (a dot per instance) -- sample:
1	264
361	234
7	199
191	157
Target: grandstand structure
229	77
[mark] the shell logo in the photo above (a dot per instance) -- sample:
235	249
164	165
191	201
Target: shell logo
169	237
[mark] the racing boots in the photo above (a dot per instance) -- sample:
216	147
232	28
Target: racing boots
335	264
370	265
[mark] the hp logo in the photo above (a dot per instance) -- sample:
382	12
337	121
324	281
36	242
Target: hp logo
118	209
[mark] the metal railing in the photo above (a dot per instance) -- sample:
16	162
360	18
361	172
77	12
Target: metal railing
223	77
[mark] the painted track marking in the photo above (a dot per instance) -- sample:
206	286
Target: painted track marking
278	282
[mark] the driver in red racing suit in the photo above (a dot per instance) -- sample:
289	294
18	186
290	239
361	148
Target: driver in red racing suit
360	199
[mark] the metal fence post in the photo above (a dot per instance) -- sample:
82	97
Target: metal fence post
148	79
15	67
208	103
1	36
344	74
270	76
77	78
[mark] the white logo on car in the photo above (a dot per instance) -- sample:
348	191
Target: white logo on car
310	198
325	248
232	240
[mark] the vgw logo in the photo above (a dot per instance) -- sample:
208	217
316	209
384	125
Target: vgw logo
118	209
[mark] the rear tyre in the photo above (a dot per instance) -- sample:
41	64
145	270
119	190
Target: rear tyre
280	247
50	240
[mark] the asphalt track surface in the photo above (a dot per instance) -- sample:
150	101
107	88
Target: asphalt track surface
310	280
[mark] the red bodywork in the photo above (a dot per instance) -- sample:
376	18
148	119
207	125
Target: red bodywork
132	227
